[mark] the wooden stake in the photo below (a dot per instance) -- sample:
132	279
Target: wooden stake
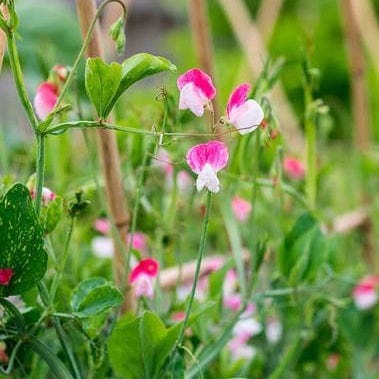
358	87
109	156
267	16
3	37
200	30
251	42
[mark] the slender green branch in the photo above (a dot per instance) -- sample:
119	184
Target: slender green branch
14	61
200	256
40	171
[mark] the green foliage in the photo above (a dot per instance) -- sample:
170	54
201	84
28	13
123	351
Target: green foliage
21	241
93	297
52	214
105	83
303	251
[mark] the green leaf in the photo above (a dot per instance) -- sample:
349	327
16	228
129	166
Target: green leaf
93	297
54	212
136	68
102	82
21	241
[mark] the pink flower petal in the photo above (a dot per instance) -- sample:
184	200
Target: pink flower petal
45	99
232	302
241	208
144	286
293	168
247	117
200	80
103	226
5	276
215	153
238	97
139	241
193	99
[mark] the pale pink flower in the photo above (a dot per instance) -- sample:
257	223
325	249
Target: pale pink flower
196	90
247	328
178	316
144	286
273	331
243	113
163	162
365	292
45	99
139	241
184	291
241	208
213	264
47	195
103	226
184	182
293	168
206	160
5	276
239	349
232	302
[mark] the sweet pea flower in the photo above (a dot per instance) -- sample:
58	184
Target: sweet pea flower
139	241
142	277
5	276
45	99
241	208
293	168
102	225
206	160
196	90
365	292
47	195
243	113
232	302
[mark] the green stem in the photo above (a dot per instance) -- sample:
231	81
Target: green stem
202	247
311	177
14	61
40	171
62	264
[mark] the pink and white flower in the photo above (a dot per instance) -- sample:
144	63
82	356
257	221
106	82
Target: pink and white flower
365	292
241	208
196	90
103	226
47	195
142	277
5	276
243	113
293	168
206	160
239	349
45	99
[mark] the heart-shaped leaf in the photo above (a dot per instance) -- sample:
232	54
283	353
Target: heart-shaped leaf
102	82
94	296
21	241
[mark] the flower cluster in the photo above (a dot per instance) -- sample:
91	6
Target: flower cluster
196	92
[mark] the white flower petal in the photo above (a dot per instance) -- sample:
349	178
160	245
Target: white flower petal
191	98
208	178
247	117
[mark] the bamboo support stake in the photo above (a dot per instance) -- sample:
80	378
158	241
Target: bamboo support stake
3	37
358	87
251	42
109	155
267	16
198	15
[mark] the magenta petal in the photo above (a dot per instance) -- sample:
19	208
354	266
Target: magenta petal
238	97
200	79
45	99
5	276
214	153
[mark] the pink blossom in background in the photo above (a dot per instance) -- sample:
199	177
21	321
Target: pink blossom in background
241	208
184	291
5	276
184	182
365	292
239	349
293	168
163	161
178	316
243	113
45	99
139	241
212	264
332	361
247	328
196	90
144	286
47	195
273	331
230	282
206	160
103	226
232	302
142	277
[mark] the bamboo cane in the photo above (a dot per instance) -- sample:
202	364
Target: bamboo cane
110	159
3	37
251	42
267	16
358	86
